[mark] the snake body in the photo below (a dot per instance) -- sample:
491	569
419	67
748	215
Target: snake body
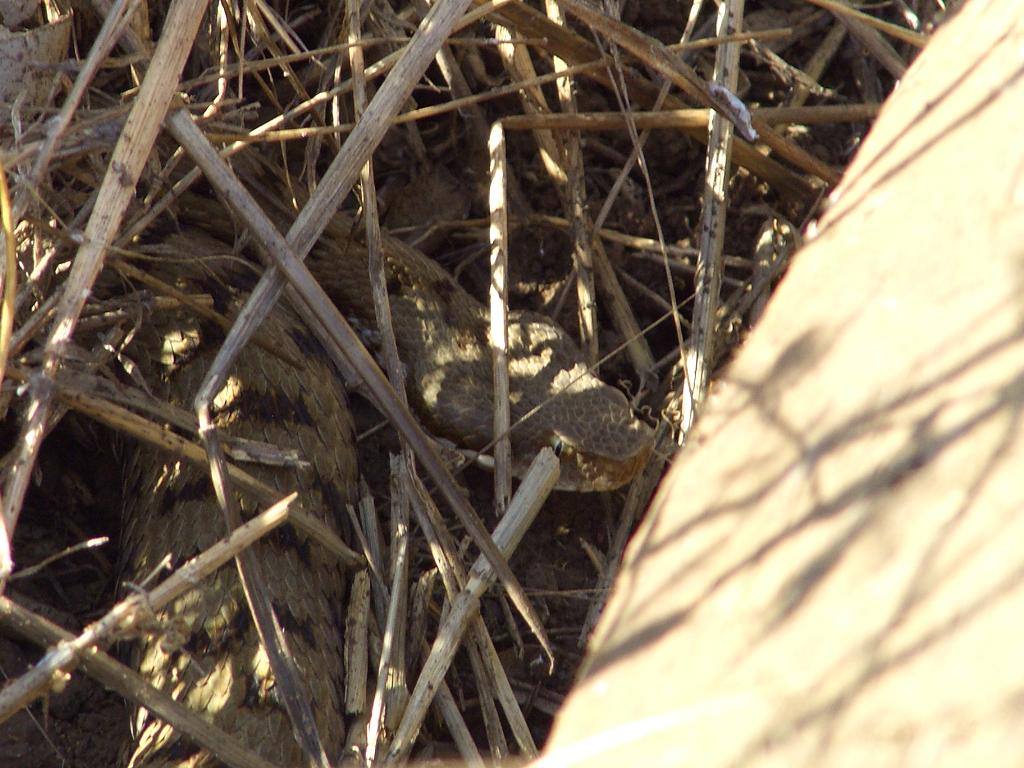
220	670
217	666
442	335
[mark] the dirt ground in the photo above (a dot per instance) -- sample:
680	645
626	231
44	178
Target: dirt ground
436	174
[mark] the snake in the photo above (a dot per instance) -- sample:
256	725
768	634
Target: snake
293	399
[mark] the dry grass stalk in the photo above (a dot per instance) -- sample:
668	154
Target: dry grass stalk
391	693
128	683
326	320
573	195
498	296
132	613
490	676
357	643
538	482
843	10
573	48
700	356
130	154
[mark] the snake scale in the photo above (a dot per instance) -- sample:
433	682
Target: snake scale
219	670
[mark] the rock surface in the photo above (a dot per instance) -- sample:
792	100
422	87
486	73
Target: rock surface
832	573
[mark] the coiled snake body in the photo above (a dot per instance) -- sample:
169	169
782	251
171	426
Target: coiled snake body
219	669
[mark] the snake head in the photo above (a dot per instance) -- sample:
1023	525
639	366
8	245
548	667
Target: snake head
561	404
601	444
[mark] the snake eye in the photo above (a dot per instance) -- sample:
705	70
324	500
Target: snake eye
557	446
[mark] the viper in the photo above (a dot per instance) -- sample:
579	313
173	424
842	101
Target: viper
292	398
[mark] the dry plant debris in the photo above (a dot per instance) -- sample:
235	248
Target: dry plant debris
652	238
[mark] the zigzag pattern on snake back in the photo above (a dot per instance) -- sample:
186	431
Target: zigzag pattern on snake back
443	341
220	670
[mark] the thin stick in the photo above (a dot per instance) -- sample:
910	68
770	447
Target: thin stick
683	119
396	689
489	680
498	295
356	651
452	714
130	684
123	420
116	19
371	217
537	483
878	46
622	97
9	281
573	194
124	616
625	321
126	164
818	62
655	54
572	47
322	316
391	693
900	33
700	355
